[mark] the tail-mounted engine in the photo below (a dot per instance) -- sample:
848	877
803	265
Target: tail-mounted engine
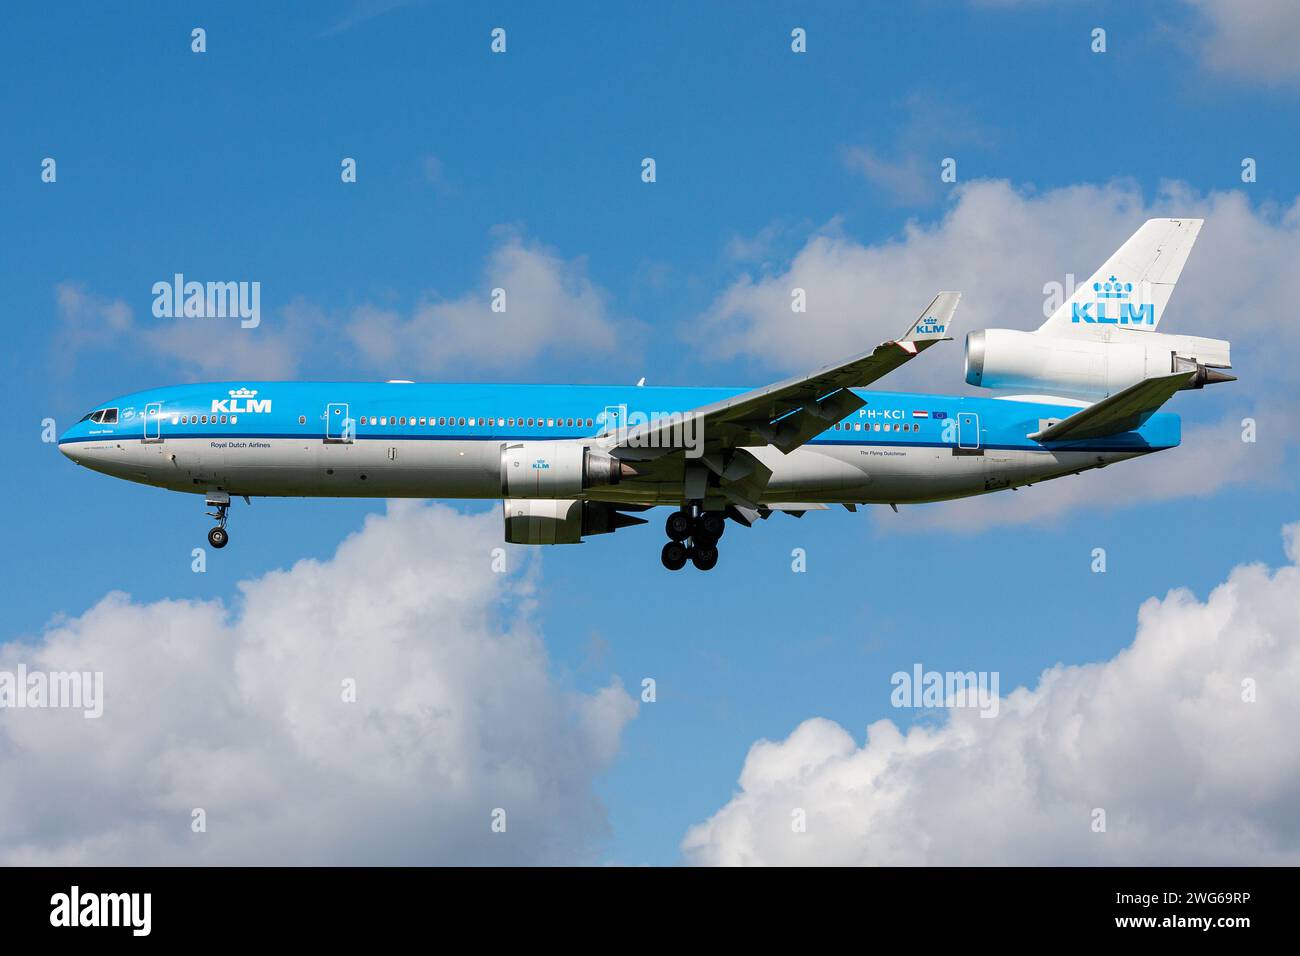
1090	367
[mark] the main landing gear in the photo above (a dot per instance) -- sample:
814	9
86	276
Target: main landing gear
693	536
218	537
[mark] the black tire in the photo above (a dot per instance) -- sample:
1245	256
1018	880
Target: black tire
674	555
710	526
678	526
218	538
704	557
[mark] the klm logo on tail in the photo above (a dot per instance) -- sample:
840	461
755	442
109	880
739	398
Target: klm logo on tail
1113	306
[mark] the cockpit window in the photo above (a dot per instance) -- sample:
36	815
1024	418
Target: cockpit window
110	416
101	416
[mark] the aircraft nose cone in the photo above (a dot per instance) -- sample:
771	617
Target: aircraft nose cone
69	449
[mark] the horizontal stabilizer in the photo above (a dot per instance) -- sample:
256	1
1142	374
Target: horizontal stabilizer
1122	412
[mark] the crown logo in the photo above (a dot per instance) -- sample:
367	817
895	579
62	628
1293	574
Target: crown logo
243	393
1112	288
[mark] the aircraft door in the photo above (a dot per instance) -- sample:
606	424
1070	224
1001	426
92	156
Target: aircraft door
152	422
339	427
968	430
613	418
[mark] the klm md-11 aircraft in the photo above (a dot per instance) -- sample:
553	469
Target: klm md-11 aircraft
572	461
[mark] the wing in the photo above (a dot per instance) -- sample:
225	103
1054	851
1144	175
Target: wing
788	413
1122	412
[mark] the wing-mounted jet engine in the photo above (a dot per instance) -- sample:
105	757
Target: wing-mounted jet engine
557	469
1103	340
561	521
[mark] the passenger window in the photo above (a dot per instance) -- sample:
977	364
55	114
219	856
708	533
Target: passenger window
550	423
442	421
461	422
205	419
223	419
302	419
423	420
589	422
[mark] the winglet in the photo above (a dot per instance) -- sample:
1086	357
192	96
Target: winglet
932	324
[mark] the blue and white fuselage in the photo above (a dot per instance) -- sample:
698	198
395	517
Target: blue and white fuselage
357	439
571	461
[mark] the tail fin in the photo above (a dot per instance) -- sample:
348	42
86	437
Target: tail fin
1134	285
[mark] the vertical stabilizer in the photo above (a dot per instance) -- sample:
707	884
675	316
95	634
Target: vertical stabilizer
1133	287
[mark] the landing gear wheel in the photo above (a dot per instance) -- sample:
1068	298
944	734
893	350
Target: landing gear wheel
704	556
678	526
711	526
674	556
218	537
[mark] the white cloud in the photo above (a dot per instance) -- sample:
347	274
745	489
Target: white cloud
1000	246
551	307
1255	40
433	172
238	710
907	171
195	347
1158	736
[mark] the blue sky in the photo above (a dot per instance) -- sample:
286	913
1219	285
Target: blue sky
226	165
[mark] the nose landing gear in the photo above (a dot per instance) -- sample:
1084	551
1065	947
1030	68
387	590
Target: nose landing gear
218	537
693	536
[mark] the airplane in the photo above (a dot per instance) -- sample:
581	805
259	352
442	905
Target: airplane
573	461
